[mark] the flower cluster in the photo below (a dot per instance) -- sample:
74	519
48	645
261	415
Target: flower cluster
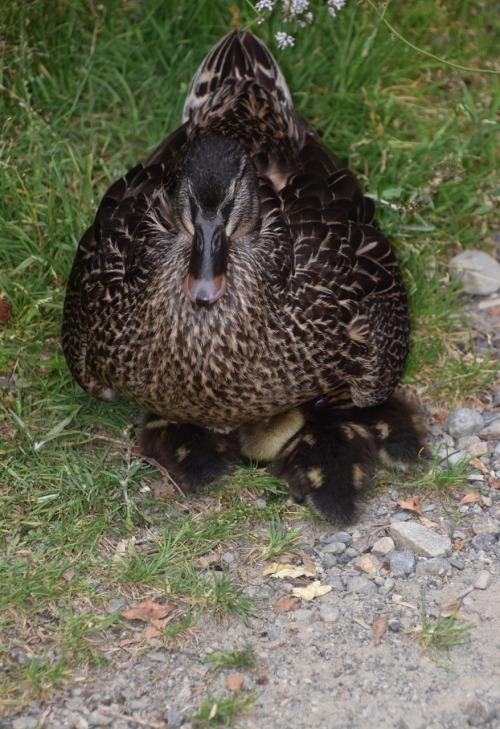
293	11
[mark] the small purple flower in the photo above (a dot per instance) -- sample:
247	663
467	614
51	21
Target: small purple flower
284	40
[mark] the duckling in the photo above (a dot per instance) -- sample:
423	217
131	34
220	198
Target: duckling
237	287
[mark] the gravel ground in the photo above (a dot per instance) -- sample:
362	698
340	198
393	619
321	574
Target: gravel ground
320	663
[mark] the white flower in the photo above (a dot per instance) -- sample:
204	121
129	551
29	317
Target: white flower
284	40
264	5
335	5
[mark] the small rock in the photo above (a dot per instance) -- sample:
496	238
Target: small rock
485	524
115	604
98	719
395	625
483	580
346	557
158	657
491	431
24	722
79	722
472	444
422	541
483	541
458	564
328	614
451	457
366	563
174	718
334	548
401	563
383	546
343	537
464	421
478	271
436	566
476	713
360	584
412	721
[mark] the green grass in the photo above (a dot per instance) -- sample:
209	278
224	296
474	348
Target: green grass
236	659
441	634
85	91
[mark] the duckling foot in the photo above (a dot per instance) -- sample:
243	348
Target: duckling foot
193	456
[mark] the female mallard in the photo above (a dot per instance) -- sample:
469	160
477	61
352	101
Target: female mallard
237	287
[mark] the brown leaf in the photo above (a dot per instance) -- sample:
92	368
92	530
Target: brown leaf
234	683
68	575
458	545
379	627
5	308
470	498
285	604
479	465
127	641
148	611
495	484
411	504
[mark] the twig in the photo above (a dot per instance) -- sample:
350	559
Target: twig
126	717
164	471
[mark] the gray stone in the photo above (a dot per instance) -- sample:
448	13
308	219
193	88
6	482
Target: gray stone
479	272
401	563
98	719
174	718
79	722
483	541
360	584
343	537
412	721
334	548
472	444
464	421
422	541
383	546
328	614
458	564
491	431
483	580
346	557
450	457
485	524
24	722
435	566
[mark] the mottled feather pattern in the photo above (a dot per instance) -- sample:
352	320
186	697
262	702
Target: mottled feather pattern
295	359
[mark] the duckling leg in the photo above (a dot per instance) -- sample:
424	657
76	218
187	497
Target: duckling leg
194	456
327	463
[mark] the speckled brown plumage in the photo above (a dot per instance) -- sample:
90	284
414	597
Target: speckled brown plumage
303	296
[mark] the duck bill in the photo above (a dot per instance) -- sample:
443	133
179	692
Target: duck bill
206	281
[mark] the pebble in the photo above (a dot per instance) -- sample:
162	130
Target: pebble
435	566
360	584
174	718
464	421
329	614
343	537
412	721
401	563
98	719
366	563
383	546
24	722
478	271
422	541
483	580
473	445
79	722
491	431
485	524
334	548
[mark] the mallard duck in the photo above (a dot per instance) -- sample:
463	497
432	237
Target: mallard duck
237	287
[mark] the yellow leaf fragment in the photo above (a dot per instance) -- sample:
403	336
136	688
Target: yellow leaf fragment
315	589
411	504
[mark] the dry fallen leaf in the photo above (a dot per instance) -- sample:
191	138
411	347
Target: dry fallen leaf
150	612
285	604
5	308
470	498
315	589
379	627
213	712
458	545
427	522
495	484
480	466
286	570
411	504
234	683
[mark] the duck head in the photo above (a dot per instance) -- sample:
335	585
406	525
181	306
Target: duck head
216	203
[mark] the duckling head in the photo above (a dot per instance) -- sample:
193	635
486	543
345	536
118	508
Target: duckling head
216	204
